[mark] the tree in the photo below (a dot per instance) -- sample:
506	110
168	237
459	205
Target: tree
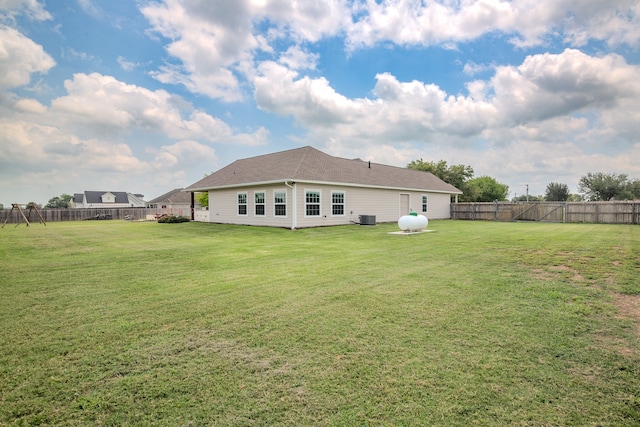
203	199
529	198
456	175
634	189
602	186
59	202
485	189
557	192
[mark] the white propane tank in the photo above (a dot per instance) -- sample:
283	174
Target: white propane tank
413	222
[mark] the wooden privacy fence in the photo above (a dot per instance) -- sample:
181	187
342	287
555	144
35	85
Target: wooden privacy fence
622	212
54	215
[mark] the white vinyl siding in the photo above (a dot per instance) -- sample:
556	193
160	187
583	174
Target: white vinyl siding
383	203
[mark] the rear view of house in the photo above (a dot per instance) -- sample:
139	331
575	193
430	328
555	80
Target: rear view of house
305	187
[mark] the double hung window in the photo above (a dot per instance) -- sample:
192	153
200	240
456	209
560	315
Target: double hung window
259	205
280	203
312	203
242	203
337	203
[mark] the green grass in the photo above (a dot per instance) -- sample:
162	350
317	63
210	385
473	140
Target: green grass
477	323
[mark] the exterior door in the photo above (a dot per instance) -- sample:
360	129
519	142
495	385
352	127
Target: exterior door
405	204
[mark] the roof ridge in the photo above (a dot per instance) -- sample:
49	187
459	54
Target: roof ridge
307	149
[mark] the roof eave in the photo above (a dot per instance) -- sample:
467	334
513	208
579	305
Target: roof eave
342	184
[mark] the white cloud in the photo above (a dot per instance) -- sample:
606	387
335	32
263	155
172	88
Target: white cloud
547	85
20	57
32	9
107	104
297	58
183	154
530	22
208	39
214	43
126	65
30	106
546	116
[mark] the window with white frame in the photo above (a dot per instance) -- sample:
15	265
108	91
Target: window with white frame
259	205
425	203
312	203
280	203
337	203
242	203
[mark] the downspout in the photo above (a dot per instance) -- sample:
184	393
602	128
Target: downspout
294	215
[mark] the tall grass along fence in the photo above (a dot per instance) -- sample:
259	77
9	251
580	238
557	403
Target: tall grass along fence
53	215
622	212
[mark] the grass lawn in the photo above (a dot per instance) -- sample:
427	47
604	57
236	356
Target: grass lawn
477	323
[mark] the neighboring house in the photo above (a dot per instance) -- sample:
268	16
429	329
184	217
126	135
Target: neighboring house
176	202
107	199
305	187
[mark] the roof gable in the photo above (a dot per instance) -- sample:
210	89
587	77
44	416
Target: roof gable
312	165
96	196
175	196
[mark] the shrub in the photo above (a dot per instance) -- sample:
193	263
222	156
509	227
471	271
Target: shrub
172	219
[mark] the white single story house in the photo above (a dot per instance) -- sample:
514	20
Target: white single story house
175	202
305	187
107	199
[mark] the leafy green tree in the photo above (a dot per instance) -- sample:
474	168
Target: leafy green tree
556	192
634	189
485	189
59	202
530	198
606	186
203	199
456	175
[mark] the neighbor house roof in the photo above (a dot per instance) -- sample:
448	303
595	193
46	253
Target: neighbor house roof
308	164
96	196
174	197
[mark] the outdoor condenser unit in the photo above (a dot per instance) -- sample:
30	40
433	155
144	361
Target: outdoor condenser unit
367	220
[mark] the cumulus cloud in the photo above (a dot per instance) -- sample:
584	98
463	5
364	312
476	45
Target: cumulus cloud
215	43
527	22
543	87
103	102
30	106
547	85
208	38
549	113
20	57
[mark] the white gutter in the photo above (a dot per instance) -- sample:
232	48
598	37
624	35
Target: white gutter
294	211
343	184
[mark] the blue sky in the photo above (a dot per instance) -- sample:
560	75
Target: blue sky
147	96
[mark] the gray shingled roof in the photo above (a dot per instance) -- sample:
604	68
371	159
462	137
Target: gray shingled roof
96	196
307	164
176	196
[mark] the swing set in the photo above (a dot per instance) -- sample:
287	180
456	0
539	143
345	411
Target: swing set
16	206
